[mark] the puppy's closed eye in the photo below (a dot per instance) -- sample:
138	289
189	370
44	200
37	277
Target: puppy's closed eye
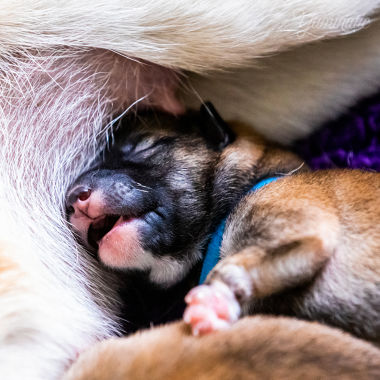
146	149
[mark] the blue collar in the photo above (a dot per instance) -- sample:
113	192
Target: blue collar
213	248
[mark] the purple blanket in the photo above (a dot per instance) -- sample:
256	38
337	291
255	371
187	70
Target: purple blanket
352	141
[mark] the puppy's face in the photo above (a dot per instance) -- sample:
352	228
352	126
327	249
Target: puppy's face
145	204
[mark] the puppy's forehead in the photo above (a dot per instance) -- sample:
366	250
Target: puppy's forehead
160	125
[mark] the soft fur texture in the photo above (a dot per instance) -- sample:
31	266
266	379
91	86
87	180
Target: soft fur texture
290	94
58	89
191	35
257	348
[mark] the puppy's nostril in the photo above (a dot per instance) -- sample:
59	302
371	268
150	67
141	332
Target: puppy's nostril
84	195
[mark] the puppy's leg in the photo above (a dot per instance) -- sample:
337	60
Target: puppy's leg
251	274
274	240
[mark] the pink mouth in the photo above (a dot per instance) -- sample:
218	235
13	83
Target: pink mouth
104	227
120	247
122	221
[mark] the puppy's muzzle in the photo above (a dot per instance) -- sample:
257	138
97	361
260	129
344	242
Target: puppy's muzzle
98	201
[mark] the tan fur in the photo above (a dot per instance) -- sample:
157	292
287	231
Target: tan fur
317	229
315	232
254	348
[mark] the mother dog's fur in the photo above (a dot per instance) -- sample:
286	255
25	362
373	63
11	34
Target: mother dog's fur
59	86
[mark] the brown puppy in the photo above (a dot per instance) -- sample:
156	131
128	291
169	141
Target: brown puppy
305	245
254	348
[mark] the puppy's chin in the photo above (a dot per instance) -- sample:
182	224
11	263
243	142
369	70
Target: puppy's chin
121	247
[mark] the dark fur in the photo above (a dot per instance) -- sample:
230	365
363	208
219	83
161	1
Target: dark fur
190	188
182	175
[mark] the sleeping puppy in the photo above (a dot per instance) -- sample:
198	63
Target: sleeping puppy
298	243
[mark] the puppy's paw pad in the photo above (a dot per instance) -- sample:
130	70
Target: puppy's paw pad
195	314
203	320
216	297
210	308
200	294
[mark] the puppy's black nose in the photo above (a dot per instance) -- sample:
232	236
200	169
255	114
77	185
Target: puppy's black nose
77	198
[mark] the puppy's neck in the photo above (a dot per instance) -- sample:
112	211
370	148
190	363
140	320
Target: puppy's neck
246	161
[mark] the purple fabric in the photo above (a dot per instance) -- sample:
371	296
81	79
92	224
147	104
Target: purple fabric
352	141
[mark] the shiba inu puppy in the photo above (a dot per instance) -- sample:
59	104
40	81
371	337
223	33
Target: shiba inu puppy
299	243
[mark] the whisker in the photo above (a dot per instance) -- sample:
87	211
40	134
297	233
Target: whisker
292	171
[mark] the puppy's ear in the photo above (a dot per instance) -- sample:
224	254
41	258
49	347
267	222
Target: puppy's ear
215	130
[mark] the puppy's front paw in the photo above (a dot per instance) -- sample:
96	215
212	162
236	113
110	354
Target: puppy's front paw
210	308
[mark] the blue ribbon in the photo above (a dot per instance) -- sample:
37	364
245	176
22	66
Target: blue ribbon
212	255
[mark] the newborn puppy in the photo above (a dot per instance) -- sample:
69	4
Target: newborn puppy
150	201
302	244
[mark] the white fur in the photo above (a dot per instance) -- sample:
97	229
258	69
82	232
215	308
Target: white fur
167	271
194	35
291	94
56	94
